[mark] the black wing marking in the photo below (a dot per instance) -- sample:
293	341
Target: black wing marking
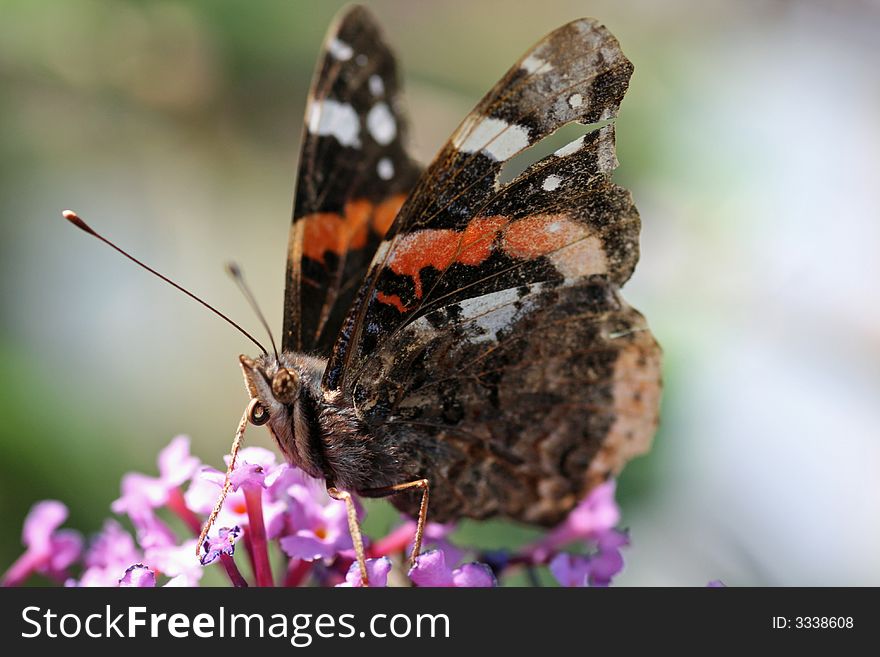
354	174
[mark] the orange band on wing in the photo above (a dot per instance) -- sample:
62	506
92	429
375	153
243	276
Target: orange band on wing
385	213
531	237
568	243
440	247
328	231
339	233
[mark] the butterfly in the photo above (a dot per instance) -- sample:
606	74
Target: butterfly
454	340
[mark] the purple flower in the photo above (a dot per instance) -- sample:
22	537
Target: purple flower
113	545
596	569
177	561
431	570
49	550
247	475
320	530
202	494
140	491
377	573
223	543
111	552
595	515
151	530
608	561
279	480
248	479
252	467
270	501
256	456
571	569
138	575
437	537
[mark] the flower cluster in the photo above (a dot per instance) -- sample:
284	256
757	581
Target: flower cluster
279	513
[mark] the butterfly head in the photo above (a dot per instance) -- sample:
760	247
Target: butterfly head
284	391
274	384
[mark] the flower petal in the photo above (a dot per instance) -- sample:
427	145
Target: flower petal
570	569
42	520
474	575
112	546
222	543
175	462
308	547
377	573
247	475
597	513
67	545
430	570
138	575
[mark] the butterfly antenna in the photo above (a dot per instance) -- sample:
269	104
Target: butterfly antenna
235	271
77	221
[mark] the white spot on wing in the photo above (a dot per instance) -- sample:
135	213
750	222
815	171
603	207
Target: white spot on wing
361	59
575	100
570	148
339	120
385	168
381	124
497	138
377	87
551	182
583	257
491	312
533	64
339	50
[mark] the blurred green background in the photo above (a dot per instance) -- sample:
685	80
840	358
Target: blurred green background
749	138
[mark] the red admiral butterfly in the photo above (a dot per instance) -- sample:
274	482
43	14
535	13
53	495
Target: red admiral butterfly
446	330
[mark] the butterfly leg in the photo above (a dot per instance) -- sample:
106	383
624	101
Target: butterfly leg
423	509
227	484
354	528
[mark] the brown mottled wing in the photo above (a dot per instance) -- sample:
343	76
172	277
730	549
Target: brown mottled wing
354	174
490	342
518	402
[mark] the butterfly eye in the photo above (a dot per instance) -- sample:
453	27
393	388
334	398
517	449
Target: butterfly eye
257	414
284	385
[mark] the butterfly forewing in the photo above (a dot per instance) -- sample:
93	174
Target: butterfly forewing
354	174
462	233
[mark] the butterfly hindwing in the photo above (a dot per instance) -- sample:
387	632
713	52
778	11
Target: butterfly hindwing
541	391
354	174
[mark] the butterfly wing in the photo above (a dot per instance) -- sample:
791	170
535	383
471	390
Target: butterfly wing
489	338
354	174
463	233
516	402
